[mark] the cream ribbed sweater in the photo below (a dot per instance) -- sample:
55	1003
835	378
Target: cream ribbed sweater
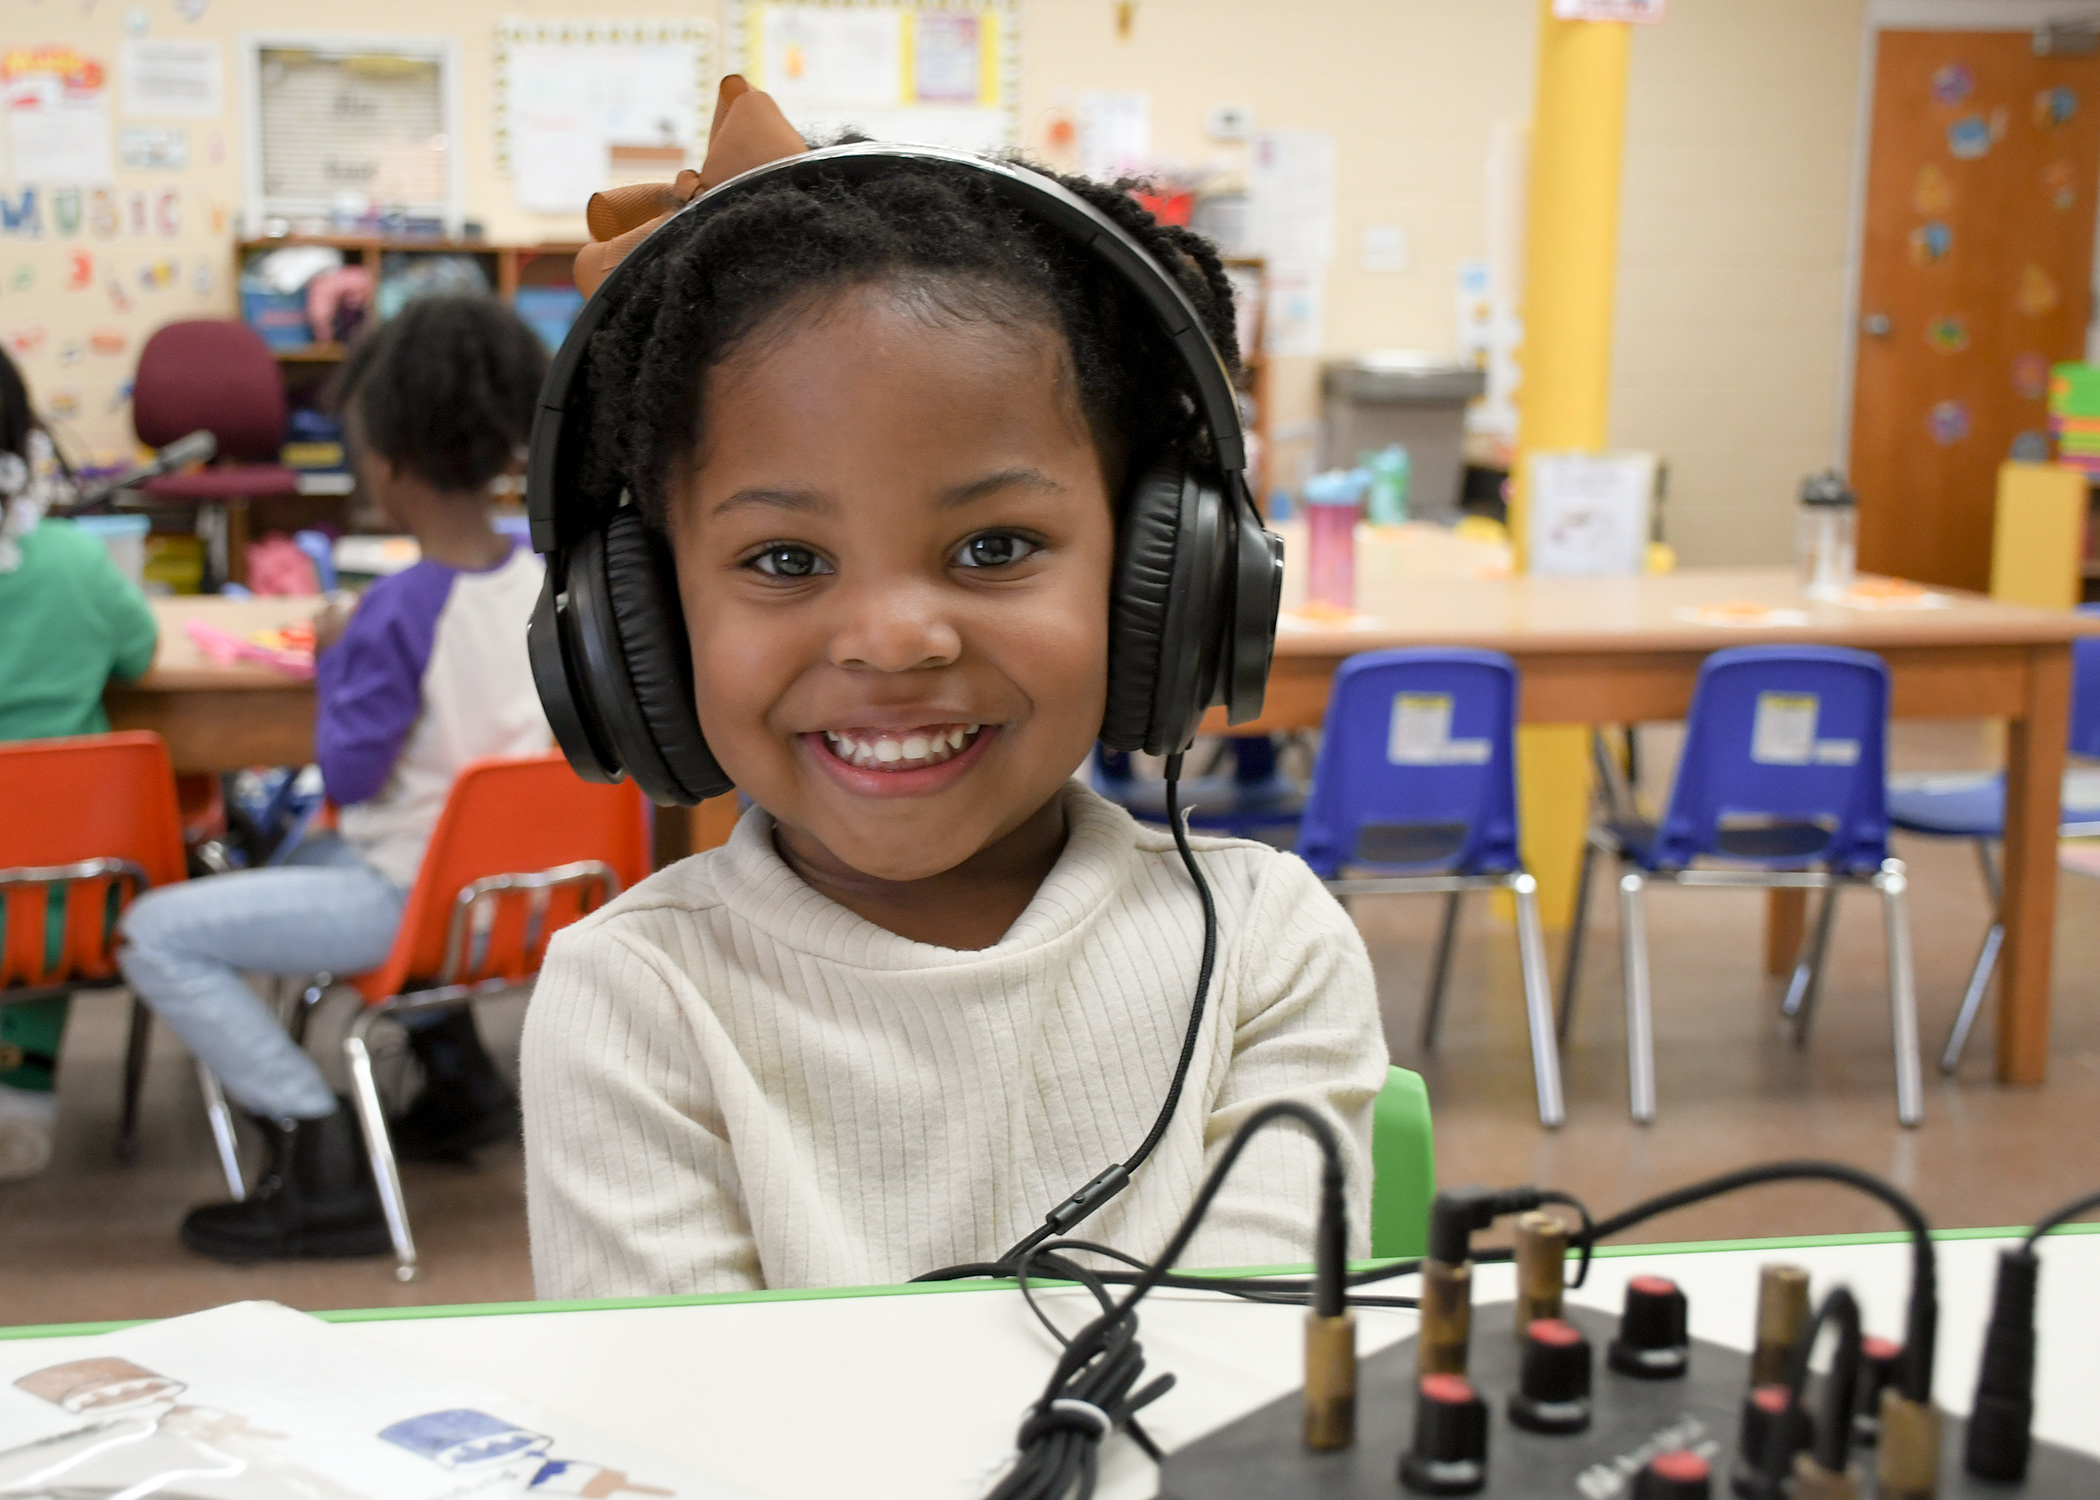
731	1081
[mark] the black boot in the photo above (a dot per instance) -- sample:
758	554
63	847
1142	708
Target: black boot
316	1201
464	1102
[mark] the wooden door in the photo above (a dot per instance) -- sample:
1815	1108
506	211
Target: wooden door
1975	276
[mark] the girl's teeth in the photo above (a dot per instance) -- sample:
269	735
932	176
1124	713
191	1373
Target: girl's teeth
924	749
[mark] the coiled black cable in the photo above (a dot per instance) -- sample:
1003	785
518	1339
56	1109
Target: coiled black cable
1093	1389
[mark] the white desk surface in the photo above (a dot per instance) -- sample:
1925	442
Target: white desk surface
918	1397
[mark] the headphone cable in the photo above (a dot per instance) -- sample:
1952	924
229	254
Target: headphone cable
1083	1204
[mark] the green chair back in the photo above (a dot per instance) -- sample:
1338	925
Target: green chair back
1403	1167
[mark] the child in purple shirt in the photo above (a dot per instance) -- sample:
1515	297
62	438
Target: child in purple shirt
428	673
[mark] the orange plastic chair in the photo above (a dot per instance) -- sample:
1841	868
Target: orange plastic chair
522	849
93	816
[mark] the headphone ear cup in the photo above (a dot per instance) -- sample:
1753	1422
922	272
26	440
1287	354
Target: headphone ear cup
655	724
1141	585
1165	630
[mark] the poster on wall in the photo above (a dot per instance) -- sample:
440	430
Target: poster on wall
57	103
173	79
922	71
587	104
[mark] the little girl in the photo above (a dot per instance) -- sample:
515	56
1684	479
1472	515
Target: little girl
427	674
933	984
69	623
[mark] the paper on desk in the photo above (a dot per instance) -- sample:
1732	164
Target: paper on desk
254	1401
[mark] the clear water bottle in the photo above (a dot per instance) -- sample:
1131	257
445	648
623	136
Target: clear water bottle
1824	535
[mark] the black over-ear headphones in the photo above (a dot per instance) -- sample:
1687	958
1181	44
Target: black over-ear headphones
1197	577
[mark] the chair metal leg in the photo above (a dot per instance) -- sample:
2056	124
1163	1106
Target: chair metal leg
1571	965
1806	987
1972	998
371	1115
222	1134
1446	940
1538	1001
1986	962
1903	996
1640	1018
135	1049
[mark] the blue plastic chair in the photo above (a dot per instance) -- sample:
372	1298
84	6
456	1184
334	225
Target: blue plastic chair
1251	800
1415	791
1780	784
1972	806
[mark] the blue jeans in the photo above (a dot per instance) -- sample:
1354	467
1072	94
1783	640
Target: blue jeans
323	911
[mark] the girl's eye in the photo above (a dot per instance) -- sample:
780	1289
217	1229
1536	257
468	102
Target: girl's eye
994	549
787	561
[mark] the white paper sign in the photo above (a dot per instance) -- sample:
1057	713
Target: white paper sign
1115	133
52	138
182	79
1421	734
1290	197
1639	12
1784	731
559	154
1589	513
812	55
1294	316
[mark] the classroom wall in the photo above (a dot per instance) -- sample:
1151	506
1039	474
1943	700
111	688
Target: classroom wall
1740	128
1738	169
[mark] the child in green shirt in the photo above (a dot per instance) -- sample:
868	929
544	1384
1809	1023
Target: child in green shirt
69	621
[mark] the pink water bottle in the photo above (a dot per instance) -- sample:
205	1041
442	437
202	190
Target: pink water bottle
1333	502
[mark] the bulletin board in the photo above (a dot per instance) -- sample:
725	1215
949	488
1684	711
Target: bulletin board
931	72
587	104
335	120
116	192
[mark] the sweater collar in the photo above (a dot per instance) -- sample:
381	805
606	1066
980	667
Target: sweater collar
759	887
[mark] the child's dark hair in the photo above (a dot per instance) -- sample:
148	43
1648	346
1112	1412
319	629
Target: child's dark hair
17	416
445	388
956	250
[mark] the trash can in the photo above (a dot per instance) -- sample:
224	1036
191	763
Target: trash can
1415	400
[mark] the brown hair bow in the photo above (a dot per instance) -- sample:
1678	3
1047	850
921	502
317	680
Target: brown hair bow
749	131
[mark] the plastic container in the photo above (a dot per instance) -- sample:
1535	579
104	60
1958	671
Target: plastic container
1824	532
1333	504
280	317
125	539
1388	468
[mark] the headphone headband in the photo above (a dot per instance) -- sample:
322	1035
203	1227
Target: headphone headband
1039	196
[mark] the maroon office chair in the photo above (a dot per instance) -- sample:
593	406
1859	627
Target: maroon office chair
217	374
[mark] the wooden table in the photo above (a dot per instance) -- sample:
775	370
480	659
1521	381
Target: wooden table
220	716
1623	650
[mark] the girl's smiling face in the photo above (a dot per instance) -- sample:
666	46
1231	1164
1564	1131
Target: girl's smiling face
894	547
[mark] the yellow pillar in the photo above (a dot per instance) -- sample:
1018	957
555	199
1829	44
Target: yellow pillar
1571	245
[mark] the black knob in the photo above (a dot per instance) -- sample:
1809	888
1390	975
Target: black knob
1554	1391
1674	1476
1771	1419
1449	1452
1878	1358
1652	1344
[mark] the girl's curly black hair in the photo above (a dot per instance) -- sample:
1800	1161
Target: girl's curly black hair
446	388
954	250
